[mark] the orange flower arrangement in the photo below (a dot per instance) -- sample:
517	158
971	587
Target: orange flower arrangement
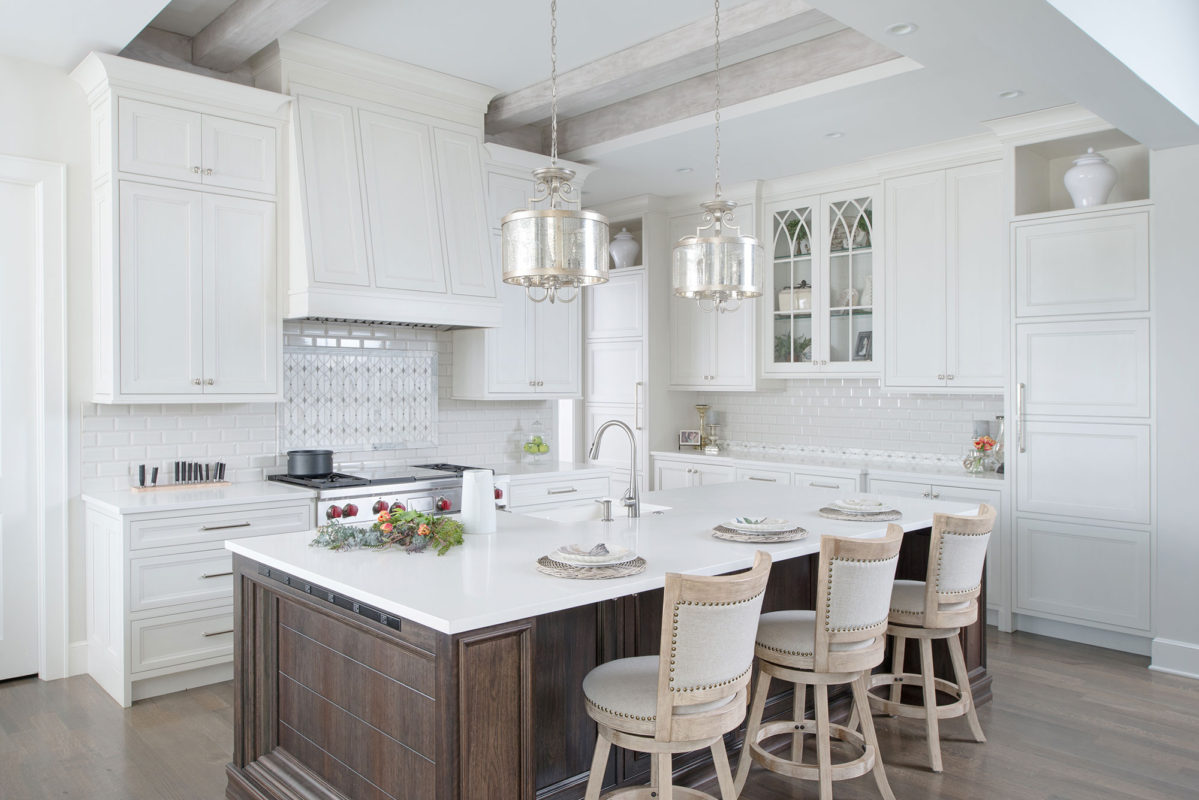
984	444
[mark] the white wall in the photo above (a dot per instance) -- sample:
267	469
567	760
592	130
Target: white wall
1175	176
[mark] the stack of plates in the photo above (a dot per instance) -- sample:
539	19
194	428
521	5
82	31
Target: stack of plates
761	525
578	555
854	505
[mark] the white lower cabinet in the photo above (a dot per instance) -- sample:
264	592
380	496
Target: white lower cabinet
544	491
160	591
779	476
1084	573
684	473
819	480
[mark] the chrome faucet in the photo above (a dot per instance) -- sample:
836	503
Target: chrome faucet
630	499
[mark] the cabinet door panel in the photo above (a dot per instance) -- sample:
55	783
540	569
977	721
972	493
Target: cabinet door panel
613	372
464	214
333	193
506	193
405	234
161	290
916	280
557	348
671	475
977	278
1084	368
241	328
614	449
899	488
708	474
510	346
238	155
692	343
1083	470
1083	571
617	308
158	140
734	362
1094	265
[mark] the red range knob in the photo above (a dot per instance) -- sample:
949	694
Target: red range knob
333	513
350	510
443	504
398	506
499	493
379	507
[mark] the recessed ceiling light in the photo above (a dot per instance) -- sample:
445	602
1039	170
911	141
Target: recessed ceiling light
834	135
685	170
1010	94
902	28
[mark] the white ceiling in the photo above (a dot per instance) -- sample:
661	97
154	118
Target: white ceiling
62	32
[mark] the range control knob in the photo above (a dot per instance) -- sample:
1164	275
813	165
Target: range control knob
333	513
443	504
350	510
379	507
499	493
398	506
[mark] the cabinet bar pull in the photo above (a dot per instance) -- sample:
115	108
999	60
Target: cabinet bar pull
766	480
225	527
637	405
569	490
218	633
823	485
1020	415
216	574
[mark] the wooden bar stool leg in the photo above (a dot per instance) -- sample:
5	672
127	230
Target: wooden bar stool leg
854	718
799	709
930	704
724	776
751	728
665	784
599	763
962	678
862	702
897	655
824	754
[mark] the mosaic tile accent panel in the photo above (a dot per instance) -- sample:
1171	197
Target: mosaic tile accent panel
343	399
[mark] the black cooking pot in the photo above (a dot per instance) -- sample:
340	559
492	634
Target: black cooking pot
309	463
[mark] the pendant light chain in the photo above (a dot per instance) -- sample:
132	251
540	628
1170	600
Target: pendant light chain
553	83
717	77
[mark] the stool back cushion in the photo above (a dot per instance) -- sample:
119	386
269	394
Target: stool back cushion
854	600
956	556
708	630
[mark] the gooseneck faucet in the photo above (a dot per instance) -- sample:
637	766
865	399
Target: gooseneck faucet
630	499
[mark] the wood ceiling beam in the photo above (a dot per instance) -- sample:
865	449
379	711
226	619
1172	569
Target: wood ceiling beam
246	27
745	31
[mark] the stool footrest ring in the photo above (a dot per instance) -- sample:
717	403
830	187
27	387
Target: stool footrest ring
913	710
795	769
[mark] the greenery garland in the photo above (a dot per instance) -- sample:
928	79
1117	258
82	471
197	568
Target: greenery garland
414	531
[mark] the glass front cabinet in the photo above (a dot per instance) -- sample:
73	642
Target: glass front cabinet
821	285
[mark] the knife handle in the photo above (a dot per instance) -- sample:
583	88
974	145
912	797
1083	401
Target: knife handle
154	477
141	474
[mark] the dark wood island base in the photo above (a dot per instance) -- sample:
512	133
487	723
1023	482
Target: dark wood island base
334	699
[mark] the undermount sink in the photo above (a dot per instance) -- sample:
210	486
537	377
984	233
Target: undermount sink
590	512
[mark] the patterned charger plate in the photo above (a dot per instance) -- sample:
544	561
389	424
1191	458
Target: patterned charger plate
559	569
828	512
732	535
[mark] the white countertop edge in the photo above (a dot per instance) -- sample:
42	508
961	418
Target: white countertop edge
532	473
127	502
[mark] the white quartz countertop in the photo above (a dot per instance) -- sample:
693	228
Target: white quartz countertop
889	468
547	469
494	579
193	497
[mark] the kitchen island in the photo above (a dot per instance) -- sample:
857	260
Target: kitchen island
386	675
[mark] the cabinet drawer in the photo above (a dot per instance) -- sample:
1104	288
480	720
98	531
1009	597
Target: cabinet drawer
814	480
1084	368
198	577
559	491
781	477
900	488
181	638
216	526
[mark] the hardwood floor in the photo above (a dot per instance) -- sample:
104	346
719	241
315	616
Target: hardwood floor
1068	721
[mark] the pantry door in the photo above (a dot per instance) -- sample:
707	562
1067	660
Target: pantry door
30	241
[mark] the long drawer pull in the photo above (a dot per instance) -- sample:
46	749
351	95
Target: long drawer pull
217	633
225	527
569	490
764	480
216	574
823	485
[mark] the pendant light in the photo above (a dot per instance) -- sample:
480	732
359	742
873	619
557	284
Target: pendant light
718	266
553	250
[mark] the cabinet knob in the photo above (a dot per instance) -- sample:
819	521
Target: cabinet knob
936	495
541	383
950	377
208	171
209	382
941	377
196	170
196	382
927	494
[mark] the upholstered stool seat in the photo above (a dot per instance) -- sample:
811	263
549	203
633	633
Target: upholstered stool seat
692	695
838	644
937	609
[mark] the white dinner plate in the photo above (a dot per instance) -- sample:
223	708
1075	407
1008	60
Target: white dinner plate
857	505
764	525
580	555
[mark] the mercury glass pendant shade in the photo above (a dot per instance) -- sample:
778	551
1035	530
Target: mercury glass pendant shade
718	265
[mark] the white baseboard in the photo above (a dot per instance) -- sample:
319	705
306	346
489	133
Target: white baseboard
1176	658
77	658
1098	637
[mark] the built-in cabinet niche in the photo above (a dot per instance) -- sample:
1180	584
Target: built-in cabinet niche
185	274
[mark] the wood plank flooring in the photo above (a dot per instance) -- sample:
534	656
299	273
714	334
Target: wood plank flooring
1068	721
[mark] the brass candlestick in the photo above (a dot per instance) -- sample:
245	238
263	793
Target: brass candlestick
707	439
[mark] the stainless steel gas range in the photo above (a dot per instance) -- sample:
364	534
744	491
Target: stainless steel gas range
358	499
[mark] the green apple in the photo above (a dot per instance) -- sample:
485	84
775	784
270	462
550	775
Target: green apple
530	447
537	440
543	448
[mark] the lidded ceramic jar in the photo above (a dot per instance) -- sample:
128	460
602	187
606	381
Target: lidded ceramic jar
624	249
1090	180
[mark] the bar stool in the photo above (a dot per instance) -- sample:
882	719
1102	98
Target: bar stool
693	694
838	643
938	608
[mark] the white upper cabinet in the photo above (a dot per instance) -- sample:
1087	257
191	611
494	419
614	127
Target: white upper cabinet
1085	263
185	259
616	309
183	145
461	192
946	279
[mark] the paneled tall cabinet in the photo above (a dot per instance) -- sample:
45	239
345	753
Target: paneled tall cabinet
184	185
